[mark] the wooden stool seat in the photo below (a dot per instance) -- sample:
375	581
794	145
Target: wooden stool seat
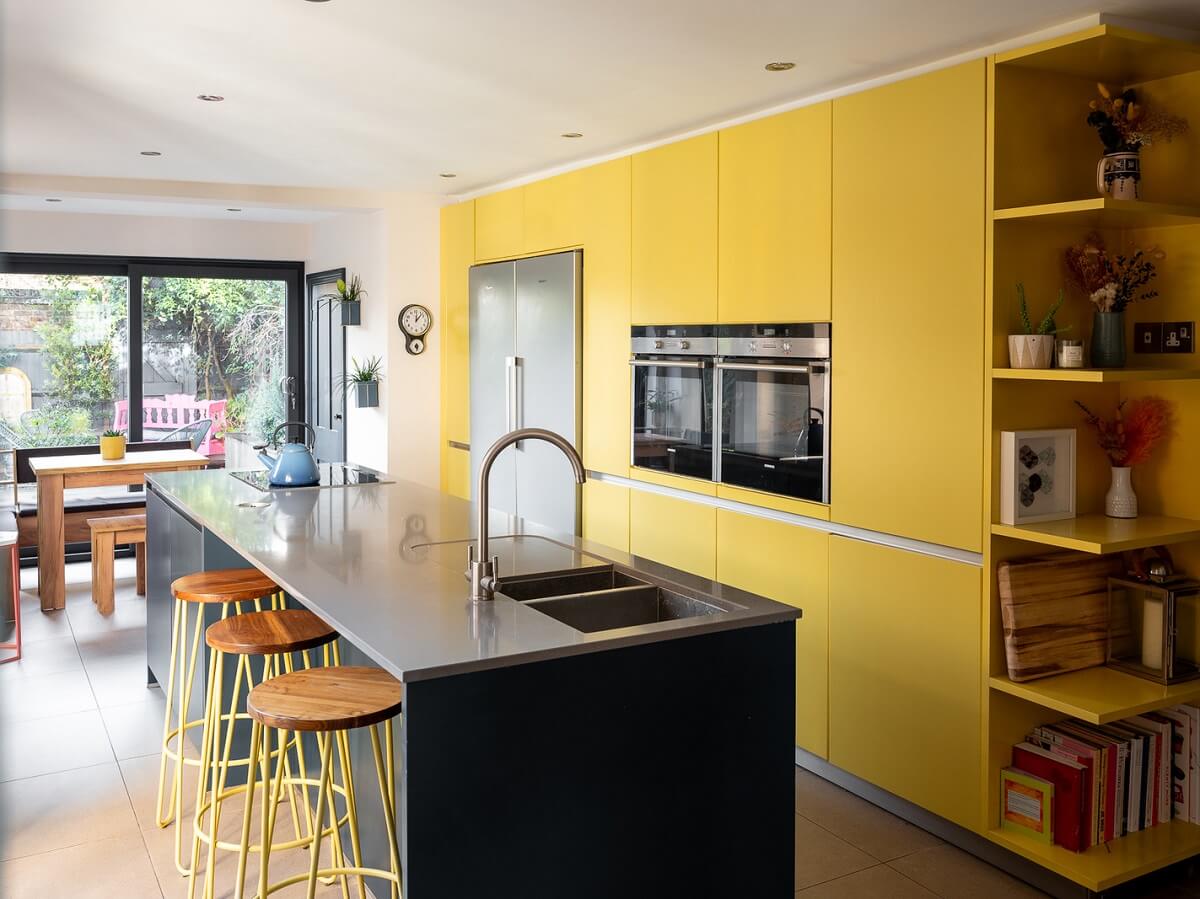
107	534
270	632
326	699
223	585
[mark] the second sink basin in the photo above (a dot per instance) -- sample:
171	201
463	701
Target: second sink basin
605	610
541	586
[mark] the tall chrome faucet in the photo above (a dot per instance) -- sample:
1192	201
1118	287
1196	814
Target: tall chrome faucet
481	568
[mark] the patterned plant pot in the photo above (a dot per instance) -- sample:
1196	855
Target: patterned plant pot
1030	350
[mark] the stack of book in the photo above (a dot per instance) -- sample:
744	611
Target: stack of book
1079	785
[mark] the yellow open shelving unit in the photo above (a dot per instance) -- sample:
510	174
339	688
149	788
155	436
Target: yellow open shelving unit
1042	199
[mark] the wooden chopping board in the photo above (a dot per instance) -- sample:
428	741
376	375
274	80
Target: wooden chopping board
1055	612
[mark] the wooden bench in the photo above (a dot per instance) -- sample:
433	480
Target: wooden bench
107	534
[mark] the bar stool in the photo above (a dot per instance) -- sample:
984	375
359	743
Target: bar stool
275	635
329	702
230	588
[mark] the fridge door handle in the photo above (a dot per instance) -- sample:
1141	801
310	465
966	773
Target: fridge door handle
519	398
510	392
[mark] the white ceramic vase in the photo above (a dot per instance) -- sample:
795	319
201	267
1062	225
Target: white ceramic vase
1031	350
1121	501
1118	175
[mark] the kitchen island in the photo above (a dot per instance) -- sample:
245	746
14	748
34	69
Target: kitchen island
605	726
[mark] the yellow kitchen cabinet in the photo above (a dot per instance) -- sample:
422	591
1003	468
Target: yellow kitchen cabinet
789	564
555	214
908	307
606	514
500	224
675	233
904	675
457	254
673	532
774	234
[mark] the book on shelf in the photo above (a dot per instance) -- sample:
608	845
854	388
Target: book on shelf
1113	779
1027	805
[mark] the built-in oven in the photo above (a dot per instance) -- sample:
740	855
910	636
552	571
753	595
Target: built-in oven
672	379
772	409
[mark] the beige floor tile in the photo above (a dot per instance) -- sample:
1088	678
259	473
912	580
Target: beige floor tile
865	826
135	729
821	856
121	681
954	874
53	655
879	882
48	745
104	646
141	780
45	697
118	866
54	811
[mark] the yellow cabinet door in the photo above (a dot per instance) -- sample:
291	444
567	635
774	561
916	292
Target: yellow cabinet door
905	675
675	233
458	252
555	214
776	182
500	224
789	564
673	532
908	307
606	514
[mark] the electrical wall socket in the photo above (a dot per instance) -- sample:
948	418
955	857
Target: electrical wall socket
1164	337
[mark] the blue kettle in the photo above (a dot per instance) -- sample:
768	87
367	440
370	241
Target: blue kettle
295	465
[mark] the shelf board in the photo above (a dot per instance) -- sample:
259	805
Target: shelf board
1096	375
1098	695
1099	534
1103	212
1105	866
1108	53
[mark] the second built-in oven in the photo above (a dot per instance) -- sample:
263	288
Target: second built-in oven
771	412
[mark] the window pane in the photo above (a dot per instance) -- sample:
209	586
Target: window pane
63	358
212	359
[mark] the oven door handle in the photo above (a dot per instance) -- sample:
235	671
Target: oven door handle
750	366
652	363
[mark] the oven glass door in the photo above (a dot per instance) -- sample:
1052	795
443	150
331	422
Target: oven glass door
773	428
672	416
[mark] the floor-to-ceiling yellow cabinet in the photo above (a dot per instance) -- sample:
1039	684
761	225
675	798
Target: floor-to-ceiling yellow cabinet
458	252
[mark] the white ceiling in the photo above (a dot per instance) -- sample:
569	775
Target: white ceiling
109	205
384	94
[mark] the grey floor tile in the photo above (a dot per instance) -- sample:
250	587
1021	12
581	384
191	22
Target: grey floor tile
37	625
953	874
135	729
879	882
53	655
863	825
45	697
121	681
821	856
48	745
103	869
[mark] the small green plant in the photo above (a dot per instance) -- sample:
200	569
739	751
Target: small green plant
1047	325
371	369
346	293
112	432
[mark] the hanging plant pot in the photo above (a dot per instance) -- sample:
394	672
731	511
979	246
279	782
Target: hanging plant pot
366	394
351	312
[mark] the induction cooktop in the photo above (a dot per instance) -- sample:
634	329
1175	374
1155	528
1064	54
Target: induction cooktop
331	476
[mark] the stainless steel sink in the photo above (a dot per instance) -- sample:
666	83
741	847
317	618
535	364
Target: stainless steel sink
605	610
542	586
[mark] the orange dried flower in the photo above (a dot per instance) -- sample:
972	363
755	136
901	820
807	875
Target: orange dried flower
1131	435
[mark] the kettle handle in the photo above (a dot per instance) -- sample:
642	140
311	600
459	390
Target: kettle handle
287	424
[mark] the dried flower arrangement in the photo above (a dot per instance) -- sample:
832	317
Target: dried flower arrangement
1112	281
1130	436
1126	125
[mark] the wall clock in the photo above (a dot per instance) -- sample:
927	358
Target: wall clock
415	321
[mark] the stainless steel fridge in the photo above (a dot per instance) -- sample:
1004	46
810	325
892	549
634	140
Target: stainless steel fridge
525	372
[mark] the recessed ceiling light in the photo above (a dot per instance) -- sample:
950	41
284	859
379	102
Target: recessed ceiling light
447	174
572	134
779	66
232	209
210	98
53	200
151	153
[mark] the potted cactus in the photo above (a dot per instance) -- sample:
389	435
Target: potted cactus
365	379
112	445
1035	347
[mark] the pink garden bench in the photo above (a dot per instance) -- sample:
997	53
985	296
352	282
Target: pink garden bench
174	411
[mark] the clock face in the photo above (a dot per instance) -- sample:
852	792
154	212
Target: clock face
415	320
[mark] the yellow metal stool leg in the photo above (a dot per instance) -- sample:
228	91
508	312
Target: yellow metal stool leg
256	732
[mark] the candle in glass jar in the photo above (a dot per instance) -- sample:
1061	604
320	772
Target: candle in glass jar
1152	633
1070	353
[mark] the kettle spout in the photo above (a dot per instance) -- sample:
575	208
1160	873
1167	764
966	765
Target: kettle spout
267	459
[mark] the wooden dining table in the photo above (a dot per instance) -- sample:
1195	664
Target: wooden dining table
58	473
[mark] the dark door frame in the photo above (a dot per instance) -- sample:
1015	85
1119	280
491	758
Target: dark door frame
324	277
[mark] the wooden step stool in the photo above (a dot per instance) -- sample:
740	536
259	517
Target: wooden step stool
107	534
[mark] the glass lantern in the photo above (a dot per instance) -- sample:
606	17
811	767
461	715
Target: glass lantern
1154	628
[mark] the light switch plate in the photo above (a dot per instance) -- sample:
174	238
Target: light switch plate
1179	337
1148	337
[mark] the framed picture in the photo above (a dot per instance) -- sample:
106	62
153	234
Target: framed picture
1037	476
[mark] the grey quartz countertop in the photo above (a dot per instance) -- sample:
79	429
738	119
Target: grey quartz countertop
384	564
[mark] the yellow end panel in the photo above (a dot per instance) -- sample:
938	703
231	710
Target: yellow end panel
457	254
789	564
673	532
456	472
500	224
905	675
908	307
606	514
675	233
775	208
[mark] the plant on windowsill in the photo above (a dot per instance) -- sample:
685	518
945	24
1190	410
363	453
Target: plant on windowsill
349	297
1111	281
365	378
1034	348
1128	439
112	445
